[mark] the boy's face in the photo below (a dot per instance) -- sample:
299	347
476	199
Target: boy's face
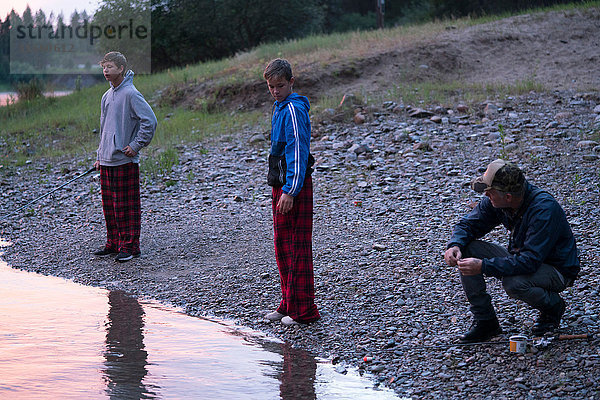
111	72
279	87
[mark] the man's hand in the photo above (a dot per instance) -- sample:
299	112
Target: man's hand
469	266
285	204
97	165
452	255
129	152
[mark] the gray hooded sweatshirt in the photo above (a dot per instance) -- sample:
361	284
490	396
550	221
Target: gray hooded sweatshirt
126	119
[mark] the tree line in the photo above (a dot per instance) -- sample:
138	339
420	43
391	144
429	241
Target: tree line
191	31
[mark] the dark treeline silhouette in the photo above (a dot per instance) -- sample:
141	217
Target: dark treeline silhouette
4	50
190	31
460	8
27	71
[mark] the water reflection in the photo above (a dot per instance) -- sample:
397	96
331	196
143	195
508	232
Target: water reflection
126	358
298	376
62	340
297	372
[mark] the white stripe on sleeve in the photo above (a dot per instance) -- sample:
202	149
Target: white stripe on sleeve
296	148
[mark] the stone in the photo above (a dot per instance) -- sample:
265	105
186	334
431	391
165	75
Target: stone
423	146
461	108
586	144
561	116
398	109
376	368
258	138
358	148
490	109
419	113
359	119
340	146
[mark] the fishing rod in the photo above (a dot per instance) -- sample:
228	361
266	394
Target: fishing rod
49	193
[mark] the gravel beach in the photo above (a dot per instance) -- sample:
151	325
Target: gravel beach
389	186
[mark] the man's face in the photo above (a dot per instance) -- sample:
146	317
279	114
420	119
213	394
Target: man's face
279	87
498	200
111	71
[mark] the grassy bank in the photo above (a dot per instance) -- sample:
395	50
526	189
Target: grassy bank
67	126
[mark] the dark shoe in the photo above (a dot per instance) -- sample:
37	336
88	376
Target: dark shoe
482	331
105	251
125	256
549	320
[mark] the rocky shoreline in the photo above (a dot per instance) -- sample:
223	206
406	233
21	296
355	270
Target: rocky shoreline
390	182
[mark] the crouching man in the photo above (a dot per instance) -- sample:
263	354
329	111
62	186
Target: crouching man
541	259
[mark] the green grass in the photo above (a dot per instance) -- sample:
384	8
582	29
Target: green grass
64	127
49	127
453	92
55	127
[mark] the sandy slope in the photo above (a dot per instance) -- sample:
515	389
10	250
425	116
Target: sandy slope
559	49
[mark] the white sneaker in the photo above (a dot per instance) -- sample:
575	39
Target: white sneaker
274	316
287	320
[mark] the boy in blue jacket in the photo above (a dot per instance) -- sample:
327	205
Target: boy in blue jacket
290	168
127	123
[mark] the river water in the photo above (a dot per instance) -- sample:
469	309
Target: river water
11	97
62	340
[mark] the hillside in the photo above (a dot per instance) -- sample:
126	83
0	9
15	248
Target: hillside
558	50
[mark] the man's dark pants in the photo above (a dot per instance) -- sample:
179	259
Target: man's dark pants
539	290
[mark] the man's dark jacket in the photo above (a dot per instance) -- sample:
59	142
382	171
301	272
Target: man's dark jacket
540	233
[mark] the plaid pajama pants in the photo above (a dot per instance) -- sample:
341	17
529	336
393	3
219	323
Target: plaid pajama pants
120	187
293	252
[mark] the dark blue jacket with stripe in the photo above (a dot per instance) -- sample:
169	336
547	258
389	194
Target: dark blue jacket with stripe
540	233
290	144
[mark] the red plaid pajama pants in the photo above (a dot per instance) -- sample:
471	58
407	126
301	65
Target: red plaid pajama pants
293	251
120	187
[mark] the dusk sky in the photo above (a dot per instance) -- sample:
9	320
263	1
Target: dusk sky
55	6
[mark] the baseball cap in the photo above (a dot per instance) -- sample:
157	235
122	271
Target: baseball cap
500	175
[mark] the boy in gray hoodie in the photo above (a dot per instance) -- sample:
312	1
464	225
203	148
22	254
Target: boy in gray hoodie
127	124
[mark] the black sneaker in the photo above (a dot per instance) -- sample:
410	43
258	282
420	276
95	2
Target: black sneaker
481	331
549	320
105	251
124	256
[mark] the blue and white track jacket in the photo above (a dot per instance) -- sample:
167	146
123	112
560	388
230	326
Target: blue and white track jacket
290	142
